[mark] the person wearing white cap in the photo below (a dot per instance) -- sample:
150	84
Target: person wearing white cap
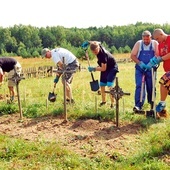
142	52
71	64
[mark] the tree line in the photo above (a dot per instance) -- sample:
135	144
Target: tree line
27	41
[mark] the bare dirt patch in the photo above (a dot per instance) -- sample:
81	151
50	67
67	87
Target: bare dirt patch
86	137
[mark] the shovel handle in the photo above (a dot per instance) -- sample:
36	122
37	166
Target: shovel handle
54	87
87	57
142	87
92	76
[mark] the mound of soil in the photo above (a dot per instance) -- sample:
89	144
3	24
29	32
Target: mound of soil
86	137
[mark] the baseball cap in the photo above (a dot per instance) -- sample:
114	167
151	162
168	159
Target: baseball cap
44	51
146	33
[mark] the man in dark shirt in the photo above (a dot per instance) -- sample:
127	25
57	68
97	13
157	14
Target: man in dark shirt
11	66
107	66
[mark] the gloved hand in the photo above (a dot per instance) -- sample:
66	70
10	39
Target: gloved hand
91	69
56	79
85	44
142	65
154	62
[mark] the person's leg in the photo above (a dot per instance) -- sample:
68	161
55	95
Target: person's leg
11	92
164	91
69	94
103	94
111	98
103	84
110	83
70	70
149	86
11	85
138	82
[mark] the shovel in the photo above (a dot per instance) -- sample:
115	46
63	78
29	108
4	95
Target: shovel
94	84
52	96
152	112
141	94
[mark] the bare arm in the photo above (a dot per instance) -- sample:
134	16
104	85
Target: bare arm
1	75
134	53
156	48
60	65
166	57
102	68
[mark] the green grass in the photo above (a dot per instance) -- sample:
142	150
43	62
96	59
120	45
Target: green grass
149	153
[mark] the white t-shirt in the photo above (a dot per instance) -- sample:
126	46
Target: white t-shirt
59	53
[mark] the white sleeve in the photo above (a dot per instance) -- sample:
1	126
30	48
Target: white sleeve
1	71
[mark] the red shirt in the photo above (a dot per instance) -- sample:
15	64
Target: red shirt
164	48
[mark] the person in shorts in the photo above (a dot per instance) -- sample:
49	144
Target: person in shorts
64	59
164	56
108	68
12	67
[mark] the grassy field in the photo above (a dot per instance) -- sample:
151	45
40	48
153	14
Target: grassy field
151	152
81	86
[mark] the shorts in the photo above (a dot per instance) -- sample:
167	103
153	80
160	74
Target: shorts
72	67
165	81
17	69
107	78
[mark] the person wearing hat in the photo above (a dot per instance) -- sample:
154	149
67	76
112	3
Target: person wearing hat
71	64
107	66
142	52
12	67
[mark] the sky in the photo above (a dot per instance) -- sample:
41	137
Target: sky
83	13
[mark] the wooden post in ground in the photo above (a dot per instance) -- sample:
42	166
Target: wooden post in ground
63	72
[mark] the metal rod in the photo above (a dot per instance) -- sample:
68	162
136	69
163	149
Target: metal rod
117	93
117	104
64	90
19	101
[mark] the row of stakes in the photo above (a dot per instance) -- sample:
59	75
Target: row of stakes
116	92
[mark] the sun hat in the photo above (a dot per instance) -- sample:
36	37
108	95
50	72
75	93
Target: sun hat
44	52
146	33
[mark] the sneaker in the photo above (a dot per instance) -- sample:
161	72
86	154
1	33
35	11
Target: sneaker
161	106
102	103
136	109
163	113
68	101
12	98
112	106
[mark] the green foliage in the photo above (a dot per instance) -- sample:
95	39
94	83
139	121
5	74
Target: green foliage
113	50
34	110
127	49
35	54
8	108
117	39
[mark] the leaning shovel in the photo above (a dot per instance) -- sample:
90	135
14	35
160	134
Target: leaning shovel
52	96
94	84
